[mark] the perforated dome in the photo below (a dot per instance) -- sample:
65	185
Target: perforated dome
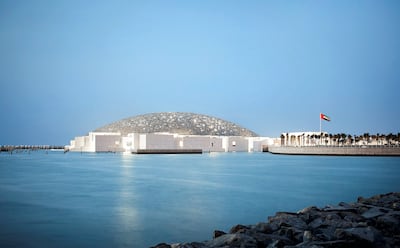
177	122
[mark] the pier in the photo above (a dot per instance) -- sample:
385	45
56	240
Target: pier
336	150
15	148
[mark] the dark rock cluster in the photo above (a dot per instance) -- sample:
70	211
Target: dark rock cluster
370	222
177	122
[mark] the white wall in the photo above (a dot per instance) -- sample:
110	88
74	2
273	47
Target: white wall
130	143
238	144
108	143
205	143
158	141
112	142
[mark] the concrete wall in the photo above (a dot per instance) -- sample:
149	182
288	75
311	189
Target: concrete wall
340	151
96	142
158	141
108	143
113	142
238	144
205	143
130	143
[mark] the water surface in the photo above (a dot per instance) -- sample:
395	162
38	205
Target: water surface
116	200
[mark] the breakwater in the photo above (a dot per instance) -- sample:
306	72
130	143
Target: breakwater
369	222
337	150
13	148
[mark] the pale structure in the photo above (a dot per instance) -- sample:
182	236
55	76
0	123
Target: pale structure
303	138
115	142
170	131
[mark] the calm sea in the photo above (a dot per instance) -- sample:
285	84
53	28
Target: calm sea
115	200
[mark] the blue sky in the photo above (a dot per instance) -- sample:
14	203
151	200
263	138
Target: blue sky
68	67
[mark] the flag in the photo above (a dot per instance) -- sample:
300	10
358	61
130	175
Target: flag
324	117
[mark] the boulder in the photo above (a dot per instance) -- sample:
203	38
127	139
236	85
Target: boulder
368	235
232	240
162	245
238	228
372	213
289	220
218	233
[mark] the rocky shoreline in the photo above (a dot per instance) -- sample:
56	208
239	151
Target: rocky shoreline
369	222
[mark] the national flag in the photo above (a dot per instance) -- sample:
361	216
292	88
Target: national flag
324	117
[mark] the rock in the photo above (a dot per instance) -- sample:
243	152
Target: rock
307	236
162	245
372	213
233	240
237	228
368	235
306	210
276	244
390	223
316	223
193	245
288	220
266	228
218	233
351	217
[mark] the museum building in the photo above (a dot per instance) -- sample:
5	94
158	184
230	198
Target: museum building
170	131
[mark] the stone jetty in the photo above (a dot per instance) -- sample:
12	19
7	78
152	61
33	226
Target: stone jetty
336	150
369	222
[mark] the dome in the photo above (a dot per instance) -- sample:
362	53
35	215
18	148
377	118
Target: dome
177	122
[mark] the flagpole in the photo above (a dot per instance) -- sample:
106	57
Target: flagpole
320	124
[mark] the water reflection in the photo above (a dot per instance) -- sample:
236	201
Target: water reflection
127	221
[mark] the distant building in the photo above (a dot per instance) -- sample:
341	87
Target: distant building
303	138
170	131
115	142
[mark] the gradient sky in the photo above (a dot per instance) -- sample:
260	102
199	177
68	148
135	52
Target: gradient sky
68	67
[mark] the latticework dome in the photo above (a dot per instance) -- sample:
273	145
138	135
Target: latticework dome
176	122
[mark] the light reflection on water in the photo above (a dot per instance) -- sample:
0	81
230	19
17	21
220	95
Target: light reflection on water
127	220
125	200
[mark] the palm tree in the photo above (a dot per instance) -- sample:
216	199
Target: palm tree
349	139
377	138
366	136
326	136
398	138
342	137
389	138
336	139
282	140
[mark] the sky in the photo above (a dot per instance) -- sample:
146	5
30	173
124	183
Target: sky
69	67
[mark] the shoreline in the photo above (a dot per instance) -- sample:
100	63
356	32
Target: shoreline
368	222
336	150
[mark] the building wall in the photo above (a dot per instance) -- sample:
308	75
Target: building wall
158	141
130	143
108	143
205	143
238	144
114	142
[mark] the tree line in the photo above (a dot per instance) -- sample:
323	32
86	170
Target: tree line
344	139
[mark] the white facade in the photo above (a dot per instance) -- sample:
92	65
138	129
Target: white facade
302	138
114	142
97	142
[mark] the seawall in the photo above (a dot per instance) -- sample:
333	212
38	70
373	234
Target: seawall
336	150
369	222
